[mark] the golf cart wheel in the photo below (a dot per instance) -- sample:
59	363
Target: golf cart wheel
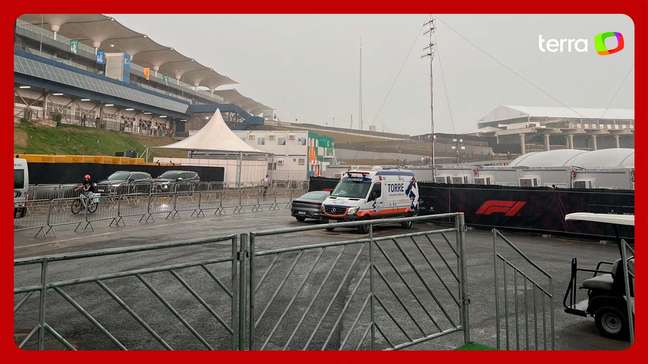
76	206
407	225
300	218
611	322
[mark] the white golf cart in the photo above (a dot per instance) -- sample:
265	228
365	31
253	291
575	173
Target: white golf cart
608	286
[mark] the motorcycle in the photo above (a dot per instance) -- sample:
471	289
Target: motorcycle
87	200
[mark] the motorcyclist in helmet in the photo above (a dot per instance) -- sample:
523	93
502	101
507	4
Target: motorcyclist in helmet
87	188
87	185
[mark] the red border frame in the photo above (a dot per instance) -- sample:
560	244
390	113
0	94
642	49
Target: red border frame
636	10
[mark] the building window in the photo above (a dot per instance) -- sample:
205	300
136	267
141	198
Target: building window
291	137
301	161
281	141
280	162
271	137
302	141
261	141
251	137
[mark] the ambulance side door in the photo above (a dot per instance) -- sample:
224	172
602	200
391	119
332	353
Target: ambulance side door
375	200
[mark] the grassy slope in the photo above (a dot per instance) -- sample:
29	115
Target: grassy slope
31	138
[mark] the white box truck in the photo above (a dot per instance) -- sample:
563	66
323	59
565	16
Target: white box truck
21	185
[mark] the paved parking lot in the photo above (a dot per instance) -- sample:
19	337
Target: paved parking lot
551	253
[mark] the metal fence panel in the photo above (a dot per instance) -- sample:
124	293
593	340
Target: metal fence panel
187	304
524	307
388	292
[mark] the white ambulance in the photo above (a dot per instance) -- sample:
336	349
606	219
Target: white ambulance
375	194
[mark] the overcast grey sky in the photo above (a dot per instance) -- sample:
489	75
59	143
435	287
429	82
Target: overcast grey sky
306	66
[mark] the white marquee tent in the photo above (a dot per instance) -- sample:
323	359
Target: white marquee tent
216	145
214	137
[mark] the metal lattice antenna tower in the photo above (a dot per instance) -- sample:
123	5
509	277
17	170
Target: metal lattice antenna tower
428	50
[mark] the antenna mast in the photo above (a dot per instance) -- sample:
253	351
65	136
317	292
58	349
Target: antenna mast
429	53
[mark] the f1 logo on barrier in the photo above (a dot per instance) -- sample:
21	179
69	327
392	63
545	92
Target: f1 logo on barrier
508	208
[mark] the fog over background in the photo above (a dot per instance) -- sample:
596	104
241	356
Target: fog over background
306	66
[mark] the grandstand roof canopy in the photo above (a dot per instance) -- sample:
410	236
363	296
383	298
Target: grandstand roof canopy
215	136
507	112
100	31
235	97
598	159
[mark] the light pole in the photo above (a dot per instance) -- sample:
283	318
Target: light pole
458	147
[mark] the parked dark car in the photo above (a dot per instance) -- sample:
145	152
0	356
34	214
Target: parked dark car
172	181
122	182
308	205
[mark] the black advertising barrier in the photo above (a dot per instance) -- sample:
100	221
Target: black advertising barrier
322	183
537	209
64	173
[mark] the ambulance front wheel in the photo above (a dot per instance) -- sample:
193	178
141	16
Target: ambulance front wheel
364	229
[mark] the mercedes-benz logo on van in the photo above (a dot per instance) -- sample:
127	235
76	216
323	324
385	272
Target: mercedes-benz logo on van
333	209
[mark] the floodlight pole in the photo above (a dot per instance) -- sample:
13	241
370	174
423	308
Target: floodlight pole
429	53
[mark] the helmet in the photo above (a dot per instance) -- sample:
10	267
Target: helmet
87	177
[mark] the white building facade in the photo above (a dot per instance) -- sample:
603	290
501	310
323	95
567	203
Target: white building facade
287	150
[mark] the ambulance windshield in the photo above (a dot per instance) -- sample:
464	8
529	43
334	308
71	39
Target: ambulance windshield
352	188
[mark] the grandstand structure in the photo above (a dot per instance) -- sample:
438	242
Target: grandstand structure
91	70
519	129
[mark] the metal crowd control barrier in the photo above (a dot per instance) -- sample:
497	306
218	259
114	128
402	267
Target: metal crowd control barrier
128	206
44	216
208	201
375	292
59	214
530	302
388	292
112	306
36	214
50	191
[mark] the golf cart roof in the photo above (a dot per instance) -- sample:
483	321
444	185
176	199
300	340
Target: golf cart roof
616	219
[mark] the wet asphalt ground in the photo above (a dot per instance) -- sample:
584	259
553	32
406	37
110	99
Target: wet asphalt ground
331	320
